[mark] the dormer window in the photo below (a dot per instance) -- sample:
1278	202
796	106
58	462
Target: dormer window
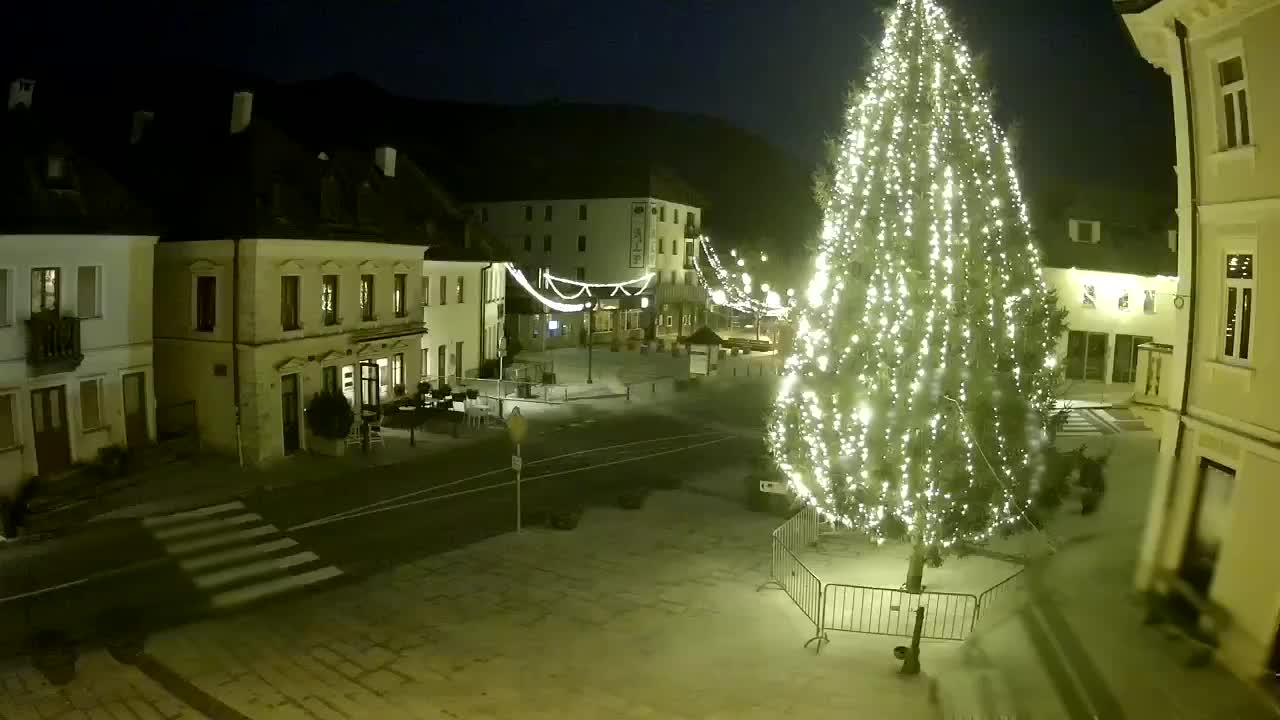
1088	232
56	169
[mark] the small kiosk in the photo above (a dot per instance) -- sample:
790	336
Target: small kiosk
704	351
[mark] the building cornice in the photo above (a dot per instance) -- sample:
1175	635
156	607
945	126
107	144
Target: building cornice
1240	211
1151	22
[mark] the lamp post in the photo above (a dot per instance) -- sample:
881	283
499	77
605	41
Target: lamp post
591	331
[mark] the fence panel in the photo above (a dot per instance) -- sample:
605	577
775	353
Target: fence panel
797	581
881	611
800	530
1002	597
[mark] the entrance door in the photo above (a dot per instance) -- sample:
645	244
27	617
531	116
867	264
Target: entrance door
1209	521
1124	365
289	413
49	422
349	384
135	409
440	365
457	364
1086	355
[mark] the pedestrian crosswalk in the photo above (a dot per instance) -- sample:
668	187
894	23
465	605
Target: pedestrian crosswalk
234	555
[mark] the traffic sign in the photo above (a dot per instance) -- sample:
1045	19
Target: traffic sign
517	426
516	463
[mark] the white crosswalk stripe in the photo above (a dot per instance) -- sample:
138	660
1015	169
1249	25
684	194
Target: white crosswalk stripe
236	555
1084	422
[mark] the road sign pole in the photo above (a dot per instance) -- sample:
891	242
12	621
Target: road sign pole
519	466
517	427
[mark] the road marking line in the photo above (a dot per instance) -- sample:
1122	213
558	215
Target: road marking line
240	553
249	593
197	528
191	546
262	567
161	520
373	511
498	471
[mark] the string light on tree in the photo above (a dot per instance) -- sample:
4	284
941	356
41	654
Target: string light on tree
734	290
915	403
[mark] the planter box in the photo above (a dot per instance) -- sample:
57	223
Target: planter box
331	447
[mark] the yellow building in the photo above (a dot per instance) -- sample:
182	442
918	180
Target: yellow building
1212	542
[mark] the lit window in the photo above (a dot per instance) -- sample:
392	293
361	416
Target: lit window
1089	297
329	299
366	298
46	290
1237	328
399	293
459	292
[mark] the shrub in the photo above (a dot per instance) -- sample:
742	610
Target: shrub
329	415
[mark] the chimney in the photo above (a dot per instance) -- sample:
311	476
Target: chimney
20	92
141	120
241	111
385	157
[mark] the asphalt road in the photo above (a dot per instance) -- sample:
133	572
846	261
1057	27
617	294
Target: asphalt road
342	529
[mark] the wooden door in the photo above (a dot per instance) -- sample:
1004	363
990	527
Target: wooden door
135	409
289	413
49	424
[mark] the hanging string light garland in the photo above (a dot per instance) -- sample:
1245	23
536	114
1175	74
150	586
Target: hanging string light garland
734	289
627	288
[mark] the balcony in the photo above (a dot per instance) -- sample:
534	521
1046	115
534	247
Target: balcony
53	343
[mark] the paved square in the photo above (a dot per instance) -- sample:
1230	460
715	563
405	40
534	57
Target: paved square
646	614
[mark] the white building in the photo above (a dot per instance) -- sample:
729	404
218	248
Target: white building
463	310
1113	261
1211	539
75	307
603	229
292	270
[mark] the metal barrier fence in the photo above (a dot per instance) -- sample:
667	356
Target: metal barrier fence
789	574
999	595
880	611
873	610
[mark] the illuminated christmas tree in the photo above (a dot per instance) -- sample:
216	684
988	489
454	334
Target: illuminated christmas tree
916	401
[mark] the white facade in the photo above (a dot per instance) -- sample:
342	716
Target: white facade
58	413
358	308
1211	532
1108	315
462	310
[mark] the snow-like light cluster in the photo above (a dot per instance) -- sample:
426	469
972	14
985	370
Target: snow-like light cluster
734	290
922	347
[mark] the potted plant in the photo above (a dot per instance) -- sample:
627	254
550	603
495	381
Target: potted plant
330	417
398	390
473	394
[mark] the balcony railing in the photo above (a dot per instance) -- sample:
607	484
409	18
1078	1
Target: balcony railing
53	343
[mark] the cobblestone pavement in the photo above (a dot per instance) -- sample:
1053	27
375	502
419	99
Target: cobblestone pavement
635	614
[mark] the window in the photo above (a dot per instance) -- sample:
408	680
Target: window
675	216
675	247
56	167
8	428
1149	302
1086	355
1089	296
397	371
329	379
90	404
366	298
1235	102
46	290
1085	231
582	211
1123	303
460	296
329	299
662	247
4	297
528	243
88	292
206	302
1238	322
528	213
289	302
582	274
424	367
582	243
426	289
399	295
546	243
662	213
546	214
484	214
444	289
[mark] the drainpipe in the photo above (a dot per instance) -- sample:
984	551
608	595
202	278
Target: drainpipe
235	343
1158	535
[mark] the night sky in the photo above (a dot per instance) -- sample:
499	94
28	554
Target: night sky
1089	107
